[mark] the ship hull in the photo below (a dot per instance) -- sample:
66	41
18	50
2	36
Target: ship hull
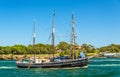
63	64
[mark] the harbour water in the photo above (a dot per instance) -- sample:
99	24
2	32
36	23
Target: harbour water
97	67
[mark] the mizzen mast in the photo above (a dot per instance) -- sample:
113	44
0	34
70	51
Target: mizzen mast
53	32
73	39
34	39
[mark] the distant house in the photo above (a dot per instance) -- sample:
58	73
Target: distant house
111	55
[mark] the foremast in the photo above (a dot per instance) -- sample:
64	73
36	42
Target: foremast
73	39
53	36
34	39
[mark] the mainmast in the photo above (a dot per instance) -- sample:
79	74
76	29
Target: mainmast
53	32
73	38
34	39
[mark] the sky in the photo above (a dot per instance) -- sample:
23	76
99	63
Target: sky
97	22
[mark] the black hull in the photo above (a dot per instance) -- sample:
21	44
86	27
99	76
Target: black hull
67	64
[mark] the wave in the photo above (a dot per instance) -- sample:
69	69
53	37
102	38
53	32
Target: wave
102	65
104	60
6	67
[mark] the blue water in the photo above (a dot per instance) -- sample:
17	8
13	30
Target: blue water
97	67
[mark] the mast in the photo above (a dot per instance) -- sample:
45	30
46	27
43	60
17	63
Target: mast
73	38
34	39
53	36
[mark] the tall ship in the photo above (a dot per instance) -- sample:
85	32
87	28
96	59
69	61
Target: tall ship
55	62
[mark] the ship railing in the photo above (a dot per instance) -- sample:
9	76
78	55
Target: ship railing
66	62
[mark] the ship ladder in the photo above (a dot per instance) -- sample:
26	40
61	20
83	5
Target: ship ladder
29	65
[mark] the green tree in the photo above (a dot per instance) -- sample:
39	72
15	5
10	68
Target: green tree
1	50
64	48
19	49
87	48
7	50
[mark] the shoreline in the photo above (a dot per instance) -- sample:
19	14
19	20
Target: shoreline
20	57
42	56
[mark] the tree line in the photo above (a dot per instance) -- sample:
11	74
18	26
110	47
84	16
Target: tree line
63	48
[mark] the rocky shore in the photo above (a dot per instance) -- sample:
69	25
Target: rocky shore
40	56
19	57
